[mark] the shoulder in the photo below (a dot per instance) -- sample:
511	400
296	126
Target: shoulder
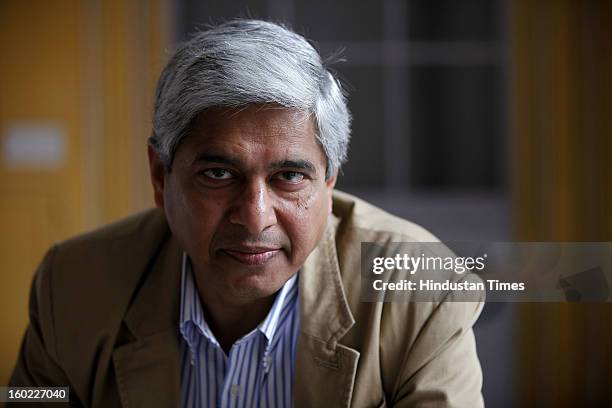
110	257
102	238
357	222
107	258
363	231
85	283
362	218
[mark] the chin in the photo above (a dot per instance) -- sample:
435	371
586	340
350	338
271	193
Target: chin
255	281
255	285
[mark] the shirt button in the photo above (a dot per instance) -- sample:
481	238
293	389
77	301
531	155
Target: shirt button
235	390
267	361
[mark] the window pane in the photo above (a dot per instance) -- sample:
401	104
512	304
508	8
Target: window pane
365	167
339	20
451	20
194	14
455	131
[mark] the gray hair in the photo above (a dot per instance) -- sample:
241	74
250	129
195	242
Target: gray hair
242	62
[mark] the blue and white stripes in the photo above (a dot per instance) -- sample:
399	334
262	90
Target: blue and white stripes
258	372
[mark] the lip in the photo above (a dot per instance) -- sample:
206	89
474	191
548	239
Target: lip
252	255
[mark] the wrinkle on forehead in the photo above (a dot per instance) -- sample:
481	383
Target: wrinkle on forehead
254	120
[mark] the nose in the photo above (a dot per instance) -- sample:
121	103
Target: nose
254	208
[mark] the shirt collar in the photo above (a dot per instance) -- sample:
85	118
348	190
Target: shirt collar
192	314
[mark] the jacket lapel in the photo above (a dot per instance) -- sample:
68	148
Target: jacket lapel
325	369
147	369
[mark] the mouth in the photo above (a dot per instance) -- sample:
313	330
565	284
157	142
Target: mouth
253	256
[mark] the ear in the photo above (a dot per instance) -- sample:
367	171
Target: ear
329	184
157	173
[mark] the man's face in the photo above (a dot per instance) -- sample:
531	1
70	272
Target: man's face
246	198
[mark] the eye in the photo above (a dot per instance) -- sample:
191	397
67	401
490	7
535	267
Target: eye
291	176
218	174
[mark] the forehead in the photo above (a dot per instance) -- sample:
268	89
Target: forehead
266	118
254	126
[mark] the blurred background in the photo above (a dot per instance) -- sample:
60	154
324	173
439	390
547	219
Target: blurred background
483	120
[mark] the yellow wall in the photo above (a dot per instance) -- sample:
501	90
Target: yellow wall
562	172
88	67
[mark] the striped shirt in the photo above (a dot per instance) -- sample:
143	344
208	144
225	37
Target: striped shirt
258	372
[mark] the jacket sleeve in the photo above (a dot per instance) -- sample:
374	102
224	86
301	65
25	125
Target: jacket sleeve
442	369
37	363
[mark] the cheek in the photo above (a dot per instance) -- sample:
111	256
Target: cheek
305	220
192	218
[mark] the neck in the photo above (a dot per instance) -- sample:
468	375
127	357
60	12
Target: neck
229	321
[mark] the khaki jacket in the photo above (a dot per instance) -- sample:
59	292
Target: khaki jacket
104	312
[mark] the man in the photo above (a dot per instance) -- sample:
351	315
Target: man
243	287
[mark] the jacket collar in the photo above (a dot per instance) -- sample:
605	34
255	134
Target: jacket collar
148	369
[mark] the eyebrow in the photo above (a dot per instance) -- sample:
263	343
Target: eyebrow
294	164
216	158
232	161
